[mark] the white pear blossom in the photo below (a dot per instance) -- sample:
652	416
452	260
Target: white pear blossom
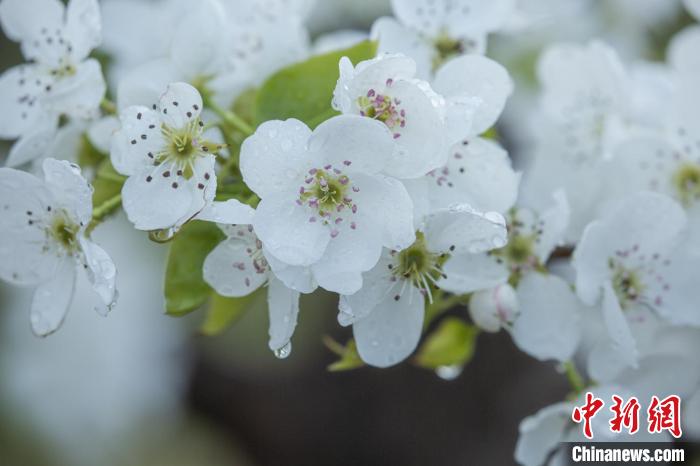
584	100
42	228
238	266
171	167
432	32
667	162
60	79
387	312
385	90
324	200
222	47
514	290
644	269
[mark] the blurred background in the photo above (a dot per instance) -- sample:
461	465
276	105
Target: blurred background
141	388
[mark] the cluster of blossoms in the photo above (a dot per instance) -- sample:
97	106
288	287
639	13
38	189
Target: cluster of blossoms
395	194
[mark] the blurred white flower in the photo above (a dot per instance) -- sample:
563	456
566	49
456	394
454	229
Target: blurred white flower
60	78
433	32
43	241
645	269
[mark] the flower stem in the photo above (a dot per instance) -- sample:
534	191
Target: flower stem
573	376
231	118
100	213
108	107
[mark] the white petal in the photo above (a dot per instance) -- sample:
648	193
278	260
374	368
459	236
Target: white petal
197	48
478	172
21	93
283	306
101	272
384	203
179	105
100	132
83	27
24	200
676	298
617	326
461	229
541	433
548	324
425	16
391	332
285	230
23	19
393	37
231	212
231	270
70	190
275	157
471	76
422	143
682	51
51	300
295	277
130	150
467	16
144	84
349	254
33	145
79	95
151	203
651	221
555	221
471	272
365	143
376	286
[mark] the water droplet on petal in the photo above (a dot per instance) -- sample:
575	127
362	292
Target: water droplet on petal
449	372
498	241
162	236
284	352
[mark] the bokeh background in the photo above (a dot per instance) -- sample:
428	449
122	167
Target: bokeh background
141	388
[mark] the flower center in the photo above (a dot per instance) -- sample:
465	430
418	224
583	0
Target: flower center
384	108
519	253
686	181
627	283
446	48
64	231
418	266
327	191
638	277
184	146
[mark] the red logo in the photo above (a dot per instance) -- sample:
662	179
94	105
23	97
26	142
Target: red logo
661	414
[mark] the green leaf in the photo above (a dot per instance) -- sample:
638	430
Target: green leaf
349	357
304	91
224	312
185	288
452	343
88	154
